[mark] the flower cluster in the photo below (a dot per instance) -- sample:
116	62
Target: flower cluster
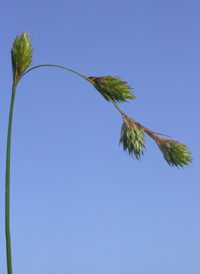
132	138
113	88
175	153
21	55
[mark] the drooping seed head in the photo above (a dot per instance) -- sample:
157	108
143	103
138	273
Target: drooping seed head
132	138
175	153
112	87
21	55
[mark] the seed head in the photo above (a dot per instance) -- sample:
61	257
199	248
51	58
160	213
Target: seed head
132	138
21	55
175	153
112	87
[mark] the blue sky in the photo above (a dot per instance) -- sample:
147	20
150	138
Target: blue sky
79	204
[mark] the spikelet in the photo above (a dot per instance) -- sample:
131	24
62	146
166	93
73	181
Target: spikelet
112	87
132	138
21	55
175	153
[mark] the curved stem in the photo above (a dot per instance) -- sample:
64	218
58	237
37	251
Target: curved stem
50	65
7	190
7	186
85	77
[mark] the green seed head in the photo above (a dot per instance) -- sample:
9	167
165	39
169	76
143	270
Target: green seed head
175	153
21	55
132	138
113	88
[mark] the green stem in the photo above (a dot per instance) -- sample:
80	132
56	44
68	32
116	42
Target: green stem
7	189
86	78
7	179
122	113
50	65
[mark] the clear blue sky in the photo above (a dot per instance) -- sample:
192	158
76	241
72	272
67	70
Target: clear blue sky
79	204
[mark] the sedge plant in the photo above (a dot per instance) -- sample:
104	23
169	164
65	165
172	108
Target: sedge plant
114	90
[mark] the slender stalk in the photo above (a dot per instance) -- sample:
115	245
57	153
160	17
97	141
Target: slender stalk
7	190
7	187
50	65
7	179
122	113
86	78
